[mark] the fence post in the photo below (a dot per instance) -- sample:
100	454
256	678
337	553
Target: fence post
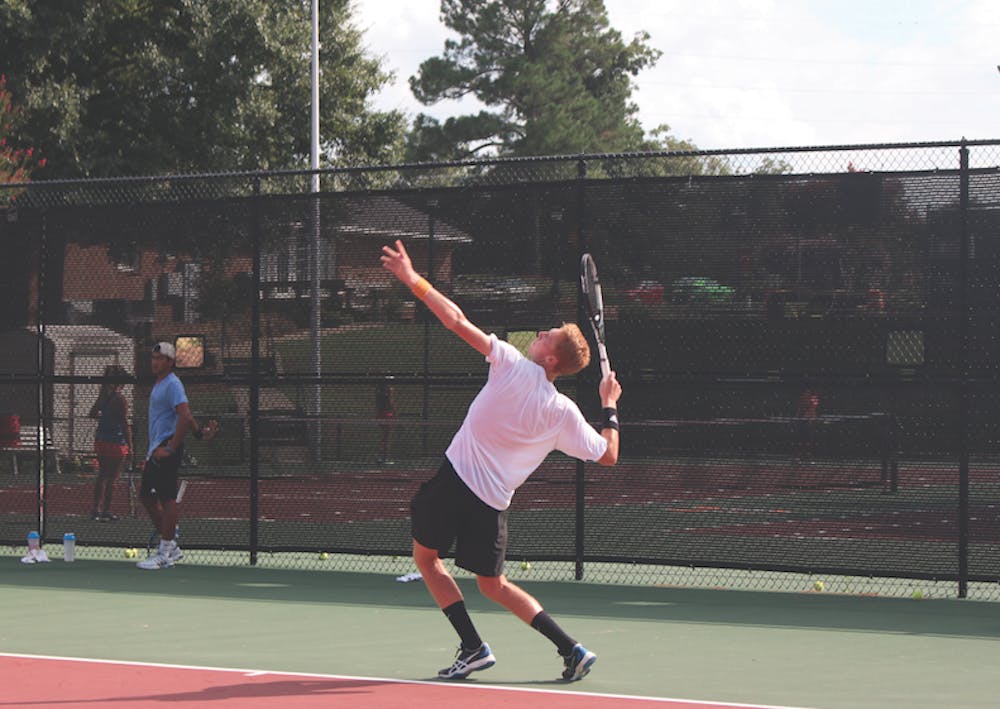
963	399
581	204
254	413
431	220
41	381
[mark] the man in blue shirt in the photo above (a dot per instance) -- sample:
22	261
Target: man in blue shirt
170	419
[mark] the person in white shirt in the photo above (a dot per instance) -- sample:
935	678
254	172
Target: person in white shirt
515	421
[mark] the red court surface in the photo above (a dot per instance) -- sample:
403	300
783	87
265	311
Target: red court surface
33	681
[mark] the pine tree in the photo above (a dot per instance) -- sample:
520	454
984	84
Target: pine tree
555	77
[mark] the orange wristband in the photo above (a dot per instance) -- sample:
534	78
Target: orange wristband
421	288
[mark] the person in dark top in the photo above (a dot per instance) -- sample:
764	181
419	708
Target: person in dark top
112	441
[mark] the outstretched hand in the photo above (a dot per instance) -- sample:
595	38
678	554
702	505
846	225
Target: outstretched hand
398	262
610	390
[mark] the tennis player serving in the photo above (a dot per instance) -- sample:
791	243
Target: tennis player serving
515	421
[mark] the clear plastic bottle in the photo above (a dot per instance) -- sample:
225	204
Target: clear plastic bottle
69	546
34	542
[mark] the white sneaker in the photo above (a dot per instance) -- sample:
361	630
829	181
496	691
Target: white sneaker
175	554
469	661
159	560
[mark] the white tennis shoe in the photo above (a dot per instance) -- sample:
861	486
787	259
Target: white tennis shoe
159	560
468	661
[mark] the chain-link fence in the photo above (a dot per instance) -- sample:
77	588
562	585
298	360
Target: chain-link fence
806	340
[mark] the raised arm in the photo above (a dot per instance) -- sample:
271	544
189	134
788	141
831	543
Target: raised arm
451	316
610	391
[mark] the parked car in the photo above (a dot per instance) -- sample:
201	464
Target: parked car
476	287
697	290
646	292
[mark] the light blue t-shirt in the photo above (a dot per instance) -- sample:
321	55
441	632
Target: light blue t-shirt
166	396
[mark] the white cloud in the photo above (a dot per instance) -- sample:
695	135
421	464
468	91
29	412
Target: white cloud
762	73
405	34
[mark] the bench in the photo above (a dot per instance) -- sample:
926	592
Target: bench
30	444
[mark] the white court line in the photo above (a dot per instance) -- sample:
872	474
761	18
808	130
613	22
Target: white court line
387	680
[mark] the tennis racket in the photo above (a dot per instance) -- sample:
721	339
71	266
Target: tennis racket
154	538
591	287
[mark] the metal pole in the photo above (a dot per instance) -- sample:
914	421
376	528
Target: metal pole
41	489
579	532
964	384
431	210
254	422
315	406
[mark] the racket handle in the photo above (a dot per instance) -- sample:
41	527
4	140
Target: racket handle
602	353
180	490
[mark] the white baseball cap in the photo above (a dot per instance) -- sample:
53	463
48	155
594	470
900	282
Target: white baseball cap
166	349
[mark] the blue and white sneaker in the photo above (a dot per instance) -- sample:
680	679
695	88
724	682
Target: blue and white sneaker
159	560
469	661
578	663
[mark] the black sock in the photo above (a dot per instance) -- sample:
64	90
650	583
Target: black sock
550	629
462	623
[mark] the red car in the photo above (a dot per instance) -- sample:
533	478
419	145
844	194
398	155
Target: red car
647	293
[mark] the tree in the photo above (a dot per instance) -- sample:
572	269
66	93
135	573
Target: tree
123	87
557	78
15	163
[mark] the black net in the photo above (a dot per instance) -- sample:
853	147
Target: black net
806	340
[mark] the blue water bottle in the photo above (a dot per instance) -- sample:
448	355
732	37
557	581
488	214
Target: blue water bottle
34	542
69	546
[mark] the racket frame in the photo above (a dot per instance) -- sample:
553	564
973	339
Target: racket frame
593	298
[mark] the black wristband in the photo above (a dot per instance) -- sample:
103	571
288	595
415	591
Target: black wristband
610	418
198	433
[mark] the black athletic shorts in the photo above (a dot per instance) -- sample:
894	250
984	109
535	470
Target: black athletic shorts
445	511
159	477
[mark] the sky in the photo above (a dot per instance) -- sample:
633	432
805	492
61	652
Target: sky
768	73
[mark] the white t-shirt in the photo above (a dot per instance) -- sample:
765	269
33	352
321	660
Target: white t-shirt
514	422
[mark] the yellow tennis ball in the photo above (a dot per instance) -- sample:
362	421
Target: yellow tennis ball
819	586
525	565
131	553
323	556
918	594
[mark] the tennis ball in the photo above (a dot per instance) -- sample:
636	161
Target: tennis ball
323	556
918	595
525	565
131	553
819	586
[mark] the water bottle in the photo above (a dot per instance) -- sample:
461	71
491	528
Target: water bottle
34	542
69	545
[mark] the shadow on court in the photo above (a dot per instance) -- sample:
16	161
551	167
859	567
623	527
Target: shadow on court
334	689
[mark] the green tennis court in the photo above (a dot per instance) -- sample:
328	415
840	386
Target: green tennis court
777	649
